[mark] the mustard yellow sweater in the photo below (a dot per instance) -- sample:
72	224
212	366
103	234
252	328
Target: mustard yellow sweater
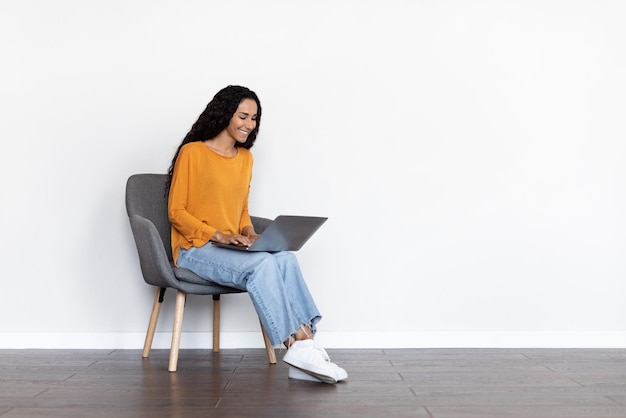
208	193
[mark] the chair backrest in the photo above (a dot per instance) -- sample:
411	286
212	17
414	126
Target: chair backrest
146	196
146	204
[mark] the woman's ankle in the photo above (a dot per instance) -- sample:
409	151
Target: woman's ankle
301	334
304	333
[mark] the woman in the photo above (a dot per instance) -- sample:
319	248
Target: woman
208	201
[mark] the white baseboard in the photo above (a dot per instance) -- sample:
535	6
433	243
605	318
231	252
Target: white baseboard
357	340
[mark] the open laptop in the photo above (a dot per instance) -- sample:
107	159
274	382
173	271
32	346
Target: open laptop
285	233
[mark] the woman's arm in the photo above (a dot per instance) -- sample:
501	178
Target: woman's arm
181	219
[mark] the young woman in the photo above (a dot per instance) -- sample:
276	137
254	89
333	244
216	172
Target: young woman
208	201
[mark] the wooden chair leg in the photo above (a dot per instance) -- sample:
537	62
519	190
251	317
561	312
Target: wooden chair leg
271	354
154	317
178	327
216	323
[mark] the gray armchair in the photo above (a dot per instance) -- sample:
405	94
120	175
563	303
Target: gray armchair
146	204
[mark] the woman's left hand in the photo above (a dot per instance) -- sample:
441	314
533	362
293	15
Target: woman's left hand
249	232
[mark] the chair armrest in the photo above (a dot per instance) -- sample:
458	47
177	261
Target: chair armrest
260	224
153	259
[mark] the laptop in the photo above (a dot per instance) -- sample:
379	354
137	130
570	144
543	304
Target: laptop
285	233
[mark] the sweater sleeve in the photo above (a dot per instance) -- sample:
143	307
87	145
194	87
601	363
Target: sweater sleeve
183	222
245	215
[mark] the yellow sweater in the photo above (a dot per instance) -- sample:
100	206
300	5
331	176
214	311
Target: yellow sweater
208	193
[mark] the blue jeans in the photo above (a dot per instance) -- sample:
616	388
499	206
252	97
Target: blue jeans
273	281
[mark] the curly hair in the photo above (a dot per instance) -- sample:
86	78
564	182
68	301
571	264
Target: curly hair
216	117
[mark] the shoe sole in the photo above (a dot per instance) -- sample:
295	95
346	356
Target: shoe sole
321	377
298	374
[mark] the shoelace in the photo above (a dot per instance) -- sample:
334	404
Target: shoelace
323	352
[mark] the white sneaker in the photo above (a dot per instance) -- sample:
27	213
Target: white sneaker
311	359
340	374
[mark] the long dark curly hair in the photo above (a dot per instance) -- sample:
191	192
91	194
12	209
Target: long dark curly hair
216	117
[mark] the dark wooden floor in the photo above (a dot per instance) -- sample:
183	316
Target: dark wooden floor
437	383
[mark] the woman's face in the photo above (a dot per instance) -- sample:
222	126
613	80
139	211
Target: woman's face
243	121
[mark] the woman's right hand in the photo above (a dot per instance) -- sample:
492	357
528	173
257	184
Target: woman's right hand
236	239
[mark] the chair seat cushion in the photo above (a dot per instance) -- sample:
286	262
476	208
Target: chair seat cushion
188	276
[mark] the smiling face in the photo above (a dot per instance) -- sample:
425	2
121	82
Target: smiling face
243	121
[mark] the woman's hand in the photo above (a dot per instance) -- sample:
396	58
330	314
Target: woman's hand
237	239
249	232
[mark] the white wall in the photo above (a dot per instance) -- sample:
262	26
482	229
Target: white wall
469	155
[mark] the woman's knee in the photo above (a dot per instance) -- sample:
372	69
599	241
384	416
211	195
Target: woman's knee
286	258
